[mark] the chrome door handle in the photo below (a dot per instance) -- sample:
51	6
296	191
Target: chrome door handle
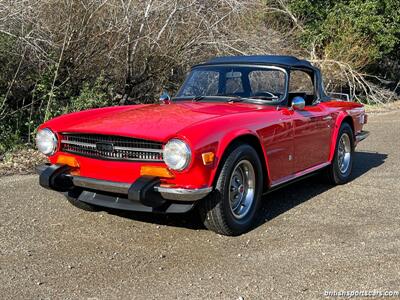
327	118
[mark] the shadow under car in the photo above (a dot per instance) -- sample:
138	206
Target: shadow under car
274	203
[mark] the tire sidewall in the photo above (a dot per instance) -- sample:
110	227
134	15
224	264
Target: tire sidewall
243	152
340	177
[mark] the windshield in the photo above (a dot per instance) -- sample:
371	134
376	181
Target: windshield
248	82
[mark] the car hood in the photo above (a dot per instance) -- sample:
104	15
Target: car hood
152	121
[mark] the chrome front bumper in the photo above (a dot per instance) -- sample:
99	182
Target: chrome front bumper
169	193
179	194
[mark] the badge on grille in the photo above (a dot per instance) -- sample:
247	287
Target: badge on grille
105	147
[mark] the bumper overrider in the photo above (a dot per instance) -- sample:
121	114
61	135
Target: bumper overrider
145	194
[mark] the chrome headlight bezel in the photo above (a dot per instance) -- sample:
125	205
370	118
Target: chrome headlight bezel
177	154
44	136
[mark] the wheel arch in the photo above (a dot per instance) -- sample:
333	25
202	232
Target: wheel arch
348	119
342	118
244	138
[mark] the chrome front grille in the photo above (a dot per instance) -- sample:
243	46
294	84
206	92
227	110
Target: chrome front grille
111	147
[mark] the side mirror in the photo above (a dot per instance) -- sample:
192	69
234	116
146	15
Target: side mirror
165	98
298	103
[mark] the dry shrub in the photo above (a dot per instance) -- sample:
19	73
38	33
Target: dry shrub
21	161
343	56
141	46
53	51
342	65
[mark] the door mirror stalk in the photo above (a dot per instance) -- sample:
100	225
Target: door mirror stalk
165	98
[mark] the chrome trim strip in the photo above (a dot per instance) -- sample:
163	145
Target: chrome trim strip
103	157
115	148
78	144
180	194
299	174
138	149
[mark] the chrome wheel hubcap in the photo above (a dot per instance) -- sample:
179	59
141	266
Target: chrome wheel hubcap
241	189
344	153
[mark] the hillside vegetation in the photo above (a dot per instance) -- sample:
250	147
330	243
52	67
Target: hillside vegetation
66	55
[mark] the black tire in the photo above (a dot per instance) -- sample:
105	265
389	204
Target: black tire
333	173
72	197
215	210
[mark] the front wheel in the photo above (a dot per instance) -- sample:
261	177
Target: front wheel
234	205
340	170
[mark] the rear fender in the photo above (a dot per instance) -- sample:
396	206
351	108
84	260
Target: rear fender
339	120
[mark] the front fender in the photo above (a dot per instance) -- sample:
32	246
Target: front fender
207	138
229	139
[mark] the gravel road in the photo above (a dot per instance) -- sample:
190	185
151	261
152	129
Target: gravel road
315	238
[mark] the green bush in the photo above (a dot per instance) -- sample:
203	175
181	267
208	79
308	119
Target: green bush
9	139
91	96
329	25
20	127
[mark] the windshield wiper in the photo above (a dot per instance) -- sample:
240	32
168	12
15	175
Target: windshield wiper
264	97
235	99
191	98
198	98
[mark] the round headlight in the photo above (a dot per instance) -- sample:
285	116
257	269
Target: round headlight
177	154
46	141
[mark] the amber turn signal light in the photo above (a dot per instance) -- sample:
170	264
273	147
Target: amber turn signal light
208	158
156	171
68	160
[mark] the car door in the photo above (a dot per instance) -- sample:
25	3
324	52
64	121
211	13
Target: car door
312	125
277	135
278	142
312	136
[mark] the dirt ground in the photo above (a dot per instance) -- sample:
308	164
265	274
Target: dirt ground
315	238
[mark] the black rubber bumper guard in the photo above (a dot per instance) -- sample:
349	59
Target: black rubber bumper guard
139	196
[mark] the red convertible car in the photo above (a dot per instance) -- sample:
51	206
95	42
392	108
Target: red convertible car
238	128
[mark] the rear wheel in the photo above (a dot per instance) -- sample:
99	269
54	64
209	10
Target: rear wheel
340	170
234	205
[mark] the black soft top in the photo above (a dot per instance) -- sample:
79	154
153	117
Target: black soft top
284	61
278	60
